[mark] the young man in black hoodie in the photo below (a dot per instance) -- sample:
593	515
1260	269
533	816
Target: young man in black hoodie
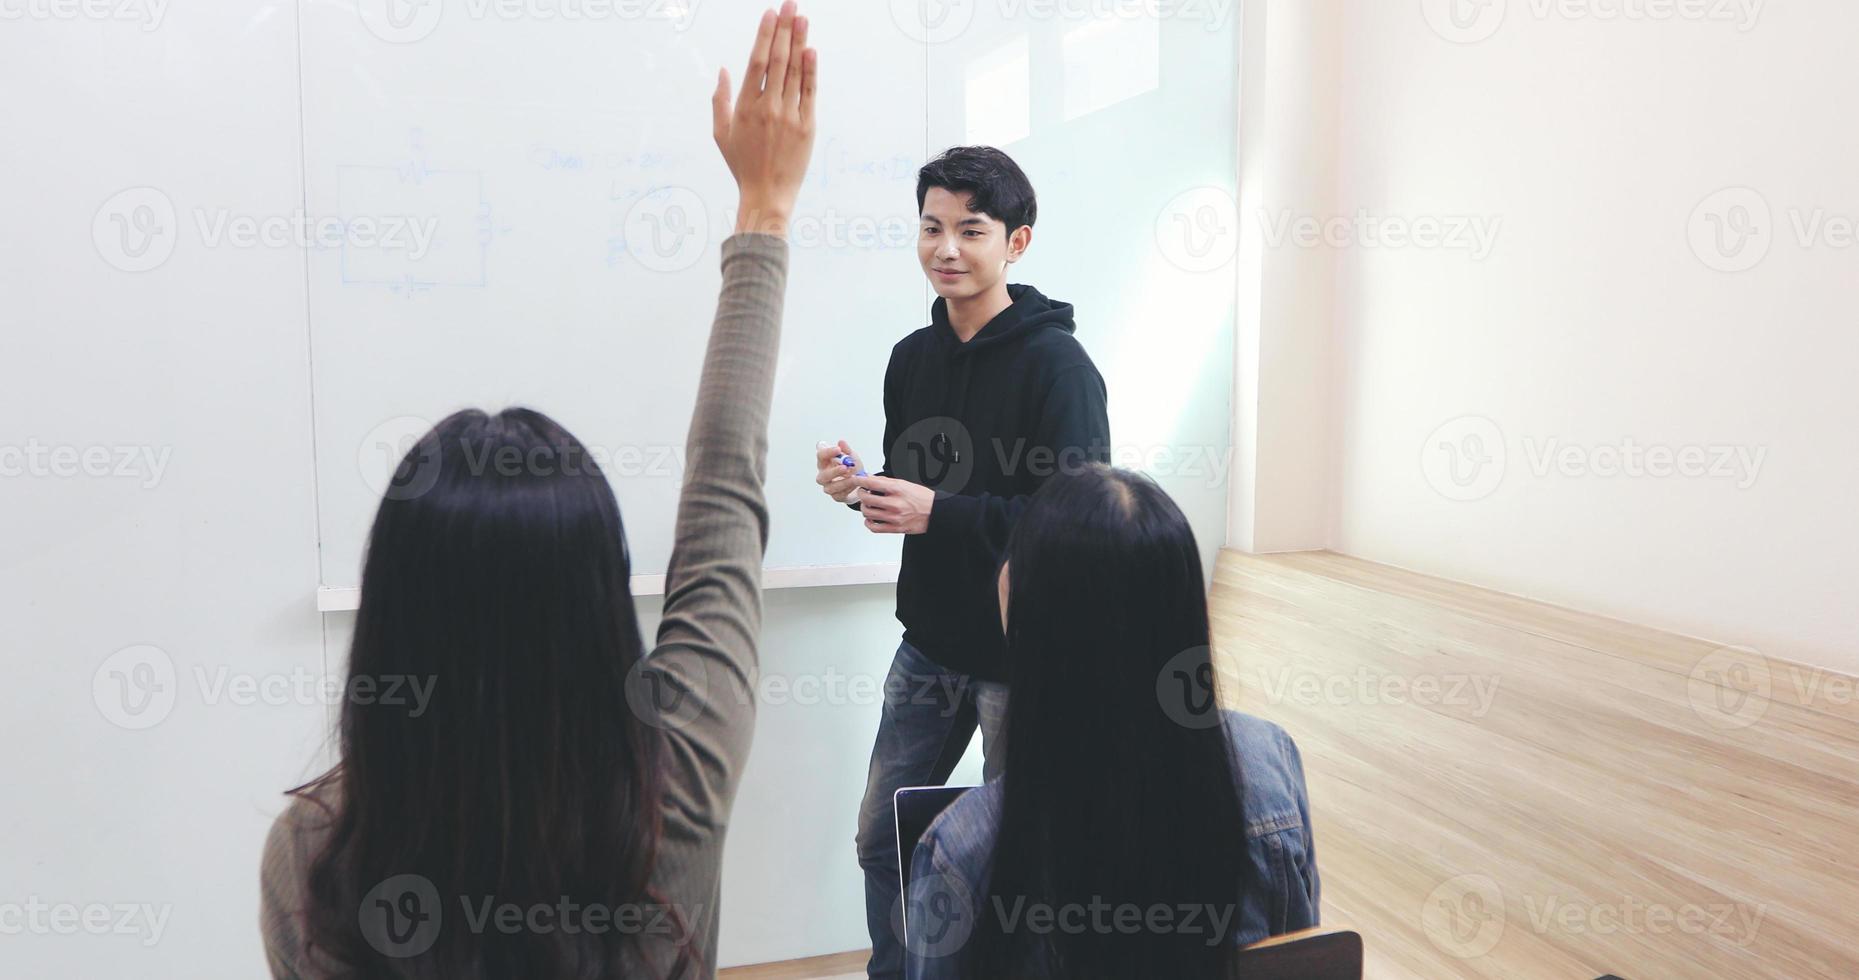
980	408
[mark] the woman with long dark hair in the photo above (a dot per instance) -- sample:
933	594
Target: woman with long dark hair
1137	830
554	805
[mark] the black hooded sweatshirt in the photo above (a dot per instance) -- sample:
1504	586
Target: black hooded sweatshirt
984	424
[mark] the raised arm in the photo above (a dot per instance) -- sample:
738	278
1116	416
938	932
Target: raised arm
705	659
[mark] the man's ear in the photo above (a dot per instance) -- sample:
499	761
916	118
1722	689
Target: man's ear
1018	241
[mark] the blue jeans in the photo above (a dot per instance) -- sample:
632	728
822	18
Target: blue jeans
930	714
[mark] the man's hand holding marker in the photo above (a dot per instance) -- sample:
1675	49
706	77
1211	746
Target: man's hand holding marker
889	506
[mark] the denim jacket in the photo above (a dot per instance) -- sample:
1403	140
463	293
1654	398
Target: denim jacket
949	870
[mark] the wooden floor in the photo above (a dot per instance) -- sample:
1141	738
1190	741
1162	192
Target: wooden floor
839	966
1506	789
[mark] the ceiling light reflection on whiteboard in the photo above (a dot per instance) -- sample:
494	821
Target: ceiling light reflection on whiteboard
1109	60
997	95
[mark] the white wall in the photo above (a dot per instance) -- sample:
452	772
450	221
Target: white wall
1605	310
1283	430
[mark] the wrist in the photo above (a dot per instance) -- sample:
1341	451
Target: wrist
761	217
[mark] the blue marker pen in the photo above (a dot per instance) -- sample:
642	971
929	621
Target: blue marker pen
844	459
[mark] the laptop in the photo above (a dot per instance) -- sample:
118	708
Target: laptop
916	808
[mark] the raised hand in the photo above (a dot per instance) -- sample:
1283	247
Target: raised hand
767	135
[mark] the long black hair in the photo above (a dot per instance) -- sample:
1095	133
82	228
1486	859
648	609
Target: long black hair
497	575
1114	792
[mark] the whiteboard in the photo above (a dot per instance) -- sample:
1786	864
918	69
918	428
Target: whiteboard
573	203
561	207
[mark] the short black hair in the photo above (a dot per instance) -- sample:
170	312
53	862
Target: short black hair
999	187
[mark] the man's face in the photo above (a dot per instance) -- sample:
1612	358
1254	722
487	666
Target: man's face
964	254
